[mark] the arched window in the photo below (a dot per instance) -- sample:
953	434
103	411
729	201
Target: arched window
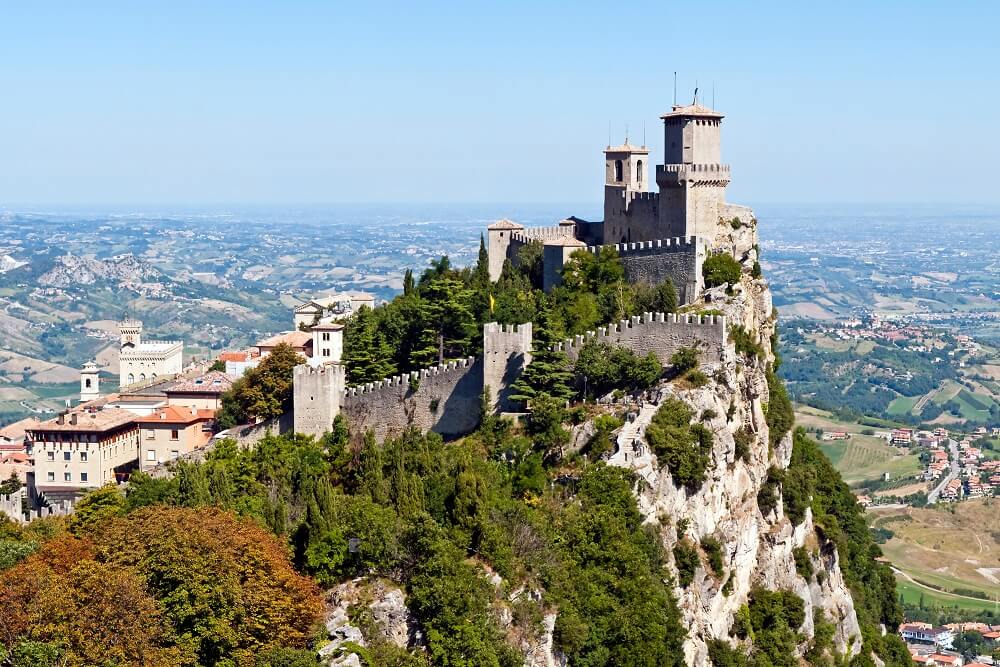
618	171
142	376
87	383
638	171
131	378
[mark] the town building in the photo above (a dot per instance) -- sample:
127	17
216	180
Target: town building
142	360
336	306
83	449
172	431
203	392
925	633
300	341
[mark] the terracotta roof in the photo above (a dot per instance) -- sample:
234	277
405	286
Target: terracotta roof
242	355
505	224
16	430
175	414
680	110
16	457
90	421
213	382
296	339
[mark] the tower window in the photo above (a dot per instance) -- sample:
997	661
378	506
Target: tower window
618	171
88	383
638	171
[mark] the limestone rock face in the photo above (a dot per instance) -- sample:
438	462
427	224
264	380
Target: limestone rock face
382	604
757	549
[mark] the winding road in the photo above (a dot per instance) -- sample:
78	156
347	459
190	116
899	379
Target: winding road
932	497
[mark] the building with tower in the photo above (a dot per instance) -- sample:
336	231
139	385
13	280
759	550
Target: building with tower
659	235
90	382
143	360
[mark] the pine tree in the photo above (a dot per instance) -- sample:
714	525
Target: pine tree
549	371
367	354
448	324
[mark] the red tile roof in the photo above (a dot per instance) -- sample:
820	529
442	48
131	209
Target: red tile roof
175	414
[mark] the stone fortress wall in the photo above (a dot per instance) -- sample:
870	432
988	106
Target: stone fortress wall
653	262
660	333
445	399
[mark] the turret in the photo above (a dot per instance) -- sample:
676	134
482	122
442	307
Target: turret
90	382
498	236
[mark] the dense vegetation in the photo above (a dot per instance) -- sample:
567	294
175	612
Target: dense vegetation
812	481
439	316
263	392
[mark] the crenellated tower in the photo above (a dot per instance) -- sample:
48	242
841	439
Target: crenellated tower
692	178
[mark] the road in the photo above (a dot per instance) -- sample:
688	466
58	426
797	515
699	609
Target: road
932	497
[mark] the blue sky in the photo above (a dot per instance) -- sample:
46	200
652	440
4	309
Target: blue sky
189	103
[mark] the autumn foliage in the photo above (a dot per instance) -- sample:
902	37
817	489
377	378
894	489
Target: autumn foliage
161	586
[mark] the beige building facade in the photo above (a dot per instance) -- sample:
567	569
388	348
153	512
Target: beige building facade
172	431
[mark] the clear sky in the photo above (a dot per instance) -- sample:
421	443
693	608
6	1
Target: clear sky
272	102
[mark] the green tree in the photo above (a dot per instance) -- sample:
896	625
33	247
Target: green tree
447	321
367	354
95	507
685	448
263	392
720	268
549	371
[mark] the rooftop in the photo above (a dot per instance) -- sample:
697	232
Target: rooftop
627	148
328	326
90	421
297	339
505	224
213	382
175	414
680	111
566	242
16	430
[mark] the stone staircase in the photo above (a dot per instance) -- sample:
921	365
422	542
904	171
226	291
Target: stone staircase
633	453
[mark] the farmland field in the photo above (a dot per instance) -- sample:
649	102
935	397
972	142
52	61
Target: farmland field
955	548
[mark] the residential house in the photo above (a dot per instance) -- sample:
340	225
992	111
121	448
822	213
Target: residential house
172	431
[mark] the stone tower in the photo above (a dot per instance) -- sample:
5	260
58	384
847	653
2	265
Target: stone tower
317	394
692	178
90	382
506	351
130	333
498	237
626	174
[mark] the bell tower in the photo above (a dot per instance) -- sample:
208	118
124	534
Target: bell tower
626	174
90	382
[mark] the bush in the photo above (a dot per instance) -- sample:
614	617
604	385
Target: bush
685	448
803	564
687	561
723	655
779	415
744	342
601	367
696	378
767	497
713	551
684	360
743	439
720	269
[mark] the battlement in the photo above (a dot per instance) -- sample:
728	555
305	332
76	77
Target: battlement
661	333
679	244
675	175
541	233
404	380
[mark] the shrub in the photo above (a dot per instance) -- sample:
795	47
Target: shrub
696	378
687	561
685	448
608	367
779	415
684	360
744	342
720	269
744	440
723	655
803	564
713	551
767	497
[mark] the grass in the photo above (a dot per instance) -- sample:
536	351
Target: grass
902	405
912	594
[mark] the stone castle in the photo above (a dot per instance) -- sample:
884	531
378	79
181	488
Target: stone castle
142	360
658	236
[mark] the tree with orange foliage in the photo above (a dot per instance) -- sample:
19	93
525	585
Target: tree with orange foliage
225	584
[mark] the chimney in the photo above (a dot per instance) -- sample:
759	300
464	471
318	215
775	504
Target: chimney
72	419
61	419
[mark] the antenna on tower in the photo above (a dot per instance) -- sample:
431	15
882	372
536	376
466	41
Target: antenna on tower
609	134
643	134
713	94
675	88
626	134
695	92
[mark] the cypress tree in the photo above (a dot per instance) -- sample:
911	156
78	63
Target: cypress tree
549	371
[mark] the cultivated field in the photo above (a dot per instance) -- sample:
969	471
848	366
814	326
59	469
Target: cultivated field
953	548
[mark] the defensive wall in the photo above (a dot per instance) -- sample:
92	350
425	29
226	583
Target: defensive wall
653	262
660	333
445	399
631	216
506	351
